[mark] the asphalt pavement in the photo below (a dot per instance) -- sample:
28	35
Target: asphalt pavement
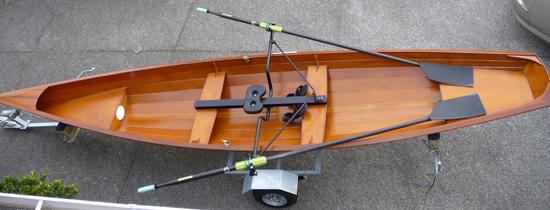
502	164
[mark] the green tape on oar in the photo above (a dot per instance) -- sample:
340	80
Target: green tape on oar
245	164
271	27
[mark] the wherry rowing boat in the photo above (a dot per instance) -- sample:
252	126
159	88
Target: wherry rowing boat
363	93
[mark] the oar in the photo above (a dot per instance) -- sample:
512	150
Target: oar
449	74
457	108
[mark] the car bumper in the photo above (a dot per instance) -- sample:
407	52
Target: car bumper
521	15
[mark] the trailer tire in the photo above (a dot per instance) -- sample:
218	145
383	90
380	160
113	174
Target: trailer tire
275	198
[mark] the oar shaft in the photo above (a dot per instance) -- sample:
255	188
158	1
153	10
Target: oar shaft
280	29
194	177
347	139
382	55
186	179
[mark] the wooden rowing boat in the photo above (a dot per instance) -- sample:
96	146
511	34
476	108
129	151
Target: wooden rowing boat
364	92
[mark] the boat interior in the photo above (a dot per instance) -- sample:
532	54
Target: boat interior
156	104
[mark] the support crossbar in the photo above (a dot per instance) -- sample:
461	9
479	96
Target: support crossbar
314	120
204	119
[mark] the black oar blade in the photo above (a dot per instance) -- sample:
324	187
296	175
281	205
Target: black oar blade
448	74
458	108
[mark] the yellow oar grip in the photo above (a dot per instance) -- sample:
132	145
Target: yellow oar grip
272	27
245	164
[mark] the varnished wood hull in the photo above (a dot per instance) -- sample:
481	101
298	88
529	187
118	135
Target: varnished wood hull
364	93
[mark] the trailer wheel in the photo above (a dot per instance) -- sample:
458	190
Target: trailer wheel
275	198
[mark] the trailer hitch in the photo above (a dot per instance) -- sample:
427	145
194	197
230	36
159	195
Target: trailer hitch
14	119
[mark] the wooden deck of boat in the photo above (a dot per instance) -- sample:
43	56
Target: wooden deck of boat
364	93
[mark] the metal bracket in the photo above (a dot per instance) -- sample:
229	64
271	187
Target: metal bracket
271	179
433	143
